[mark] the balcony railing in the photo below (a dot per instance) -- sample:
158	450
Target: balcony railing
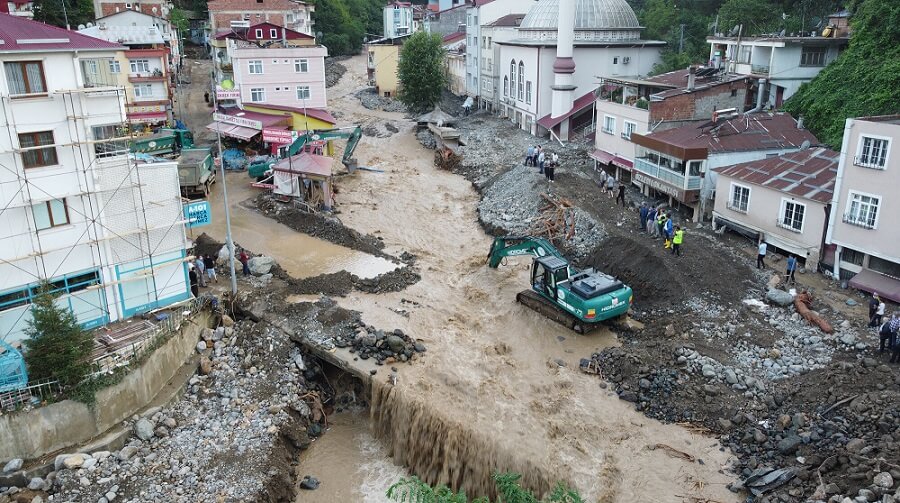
866	161
667	175
731	205
859	221
784	225
759	69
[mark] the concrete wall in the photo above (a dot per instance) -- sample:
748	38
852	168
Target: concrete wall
699	104
448	22
33	433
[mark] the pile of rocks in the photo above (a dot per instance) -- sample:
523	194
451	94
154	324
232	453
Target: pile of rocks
334	71
223	441
384	347
512	204
371	100
426	138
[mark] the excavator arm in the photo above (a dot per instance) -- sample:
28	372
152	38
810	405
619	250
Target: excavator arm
512	246
353	135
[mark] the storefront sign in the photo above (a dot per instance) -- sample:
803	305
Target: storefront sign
238	121
279	136
197	214
657	185
228	94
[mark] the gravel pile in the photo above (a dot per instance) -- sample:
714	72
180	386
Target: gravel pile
223	441
426	138
384	348
371	100
334	70
512	204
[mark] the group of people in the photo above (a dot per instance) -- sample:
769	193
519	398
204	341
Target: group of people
790	270
201	272
545	162
610	186
658	223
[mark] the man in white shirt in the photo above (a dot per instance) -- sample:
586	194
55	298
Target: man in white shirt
761	255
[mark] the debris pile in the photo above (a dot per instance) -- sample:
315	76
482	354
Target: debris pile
334	70
385	348
371	100
426	138
446	158
556	221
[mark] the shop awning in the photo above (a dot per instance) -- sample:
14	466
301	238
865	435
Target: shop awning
147	117
871	281
601	156
305	164
622	162
239	132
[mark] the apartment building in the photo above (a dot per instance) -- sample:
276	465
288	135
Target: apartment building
160	8
22	8
626	105
501	30
106	232
455	61
398	19
227	14
861	239
383	60
479	13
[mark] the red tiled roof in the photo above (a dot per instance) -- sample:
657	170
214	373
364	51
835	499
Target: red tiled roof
19	34
808	173
243	5
580	104
479	3
265	27
761	131
509	20
453	37
316	113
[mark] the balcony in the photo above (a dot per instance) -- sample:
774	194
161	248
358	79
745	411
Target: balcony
864	221
146	77
668	176
759	69
867	161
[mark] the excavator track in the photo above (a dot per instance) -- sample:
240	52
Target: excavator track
548	309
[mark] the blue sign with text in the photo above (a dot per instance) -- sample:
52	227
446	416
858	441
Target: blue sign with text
197	214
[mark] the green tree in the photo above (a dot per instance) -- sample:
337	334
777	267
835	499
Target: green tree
57	347
864	80
413	490
51	12
342	28
421	71
659	18
757	16
179	20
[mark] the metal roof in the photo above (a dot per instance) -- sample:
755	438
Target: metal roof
23	35
808	173
589	15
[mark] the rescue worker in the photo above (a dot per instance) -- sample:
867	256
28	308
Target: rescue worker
669	229
791	269
643	214
660	223
677	239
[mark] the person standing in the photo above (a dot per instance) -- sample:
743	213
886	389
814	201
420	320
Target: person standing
879	314
873	306
660	222
621	196
761	255
206	96
540	159
888	332
643	215
669	229
677	239
529	155
201	271
245	263
611	186
651	222
210	265
603	176
550	170
192	277
791	269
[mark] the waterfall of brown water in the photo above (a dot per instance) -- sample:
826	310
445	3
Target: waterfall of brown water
442	451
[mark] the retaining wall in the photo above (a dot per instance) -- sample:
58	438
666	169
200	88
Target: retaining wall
34	433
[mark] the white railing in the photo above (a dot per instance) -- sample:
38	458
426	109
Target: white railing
869	162
859	221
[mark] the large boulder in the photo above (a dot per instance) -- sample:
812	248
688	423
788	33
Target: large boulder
223	255
779	297
143	428
261	265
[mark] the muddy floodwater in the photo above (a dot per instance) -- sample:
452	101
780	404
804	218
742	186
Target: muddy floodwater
349	462
299	254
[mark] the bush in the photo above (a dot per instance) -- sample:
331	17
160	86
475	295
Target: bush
57	347
413	490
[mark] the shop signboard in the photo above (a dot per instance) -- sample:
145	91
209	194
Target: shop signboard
197	214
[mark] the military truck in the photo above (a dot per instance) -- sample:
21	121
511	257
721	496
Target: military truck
196	172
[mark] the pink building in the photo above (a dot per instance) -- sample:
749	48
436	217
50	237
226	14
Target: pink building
277	66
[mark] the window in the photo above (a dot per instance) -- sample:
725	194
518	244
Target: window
733	93
255	66
143	91
521	80
812	56
49	214
852	256
140	66
627	129
109	132
512	78
872	152
505	86
884	266
863	210
489	43
273	33
740	198
609	124
39	156
114	66
25	77
257	94
695	168
302	92
616	61
301	65
258	33
528	92
792	214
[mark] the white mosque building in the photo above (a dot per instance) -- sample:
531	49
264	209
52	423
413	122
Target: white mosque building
547	75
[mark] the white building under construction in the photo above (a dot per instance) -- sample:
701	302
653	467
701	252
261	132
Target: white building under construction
75	210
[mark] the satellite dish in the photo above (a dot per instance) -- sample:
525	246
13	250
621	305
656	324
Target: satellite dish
154	9
81	27
782	33
805	145
734	31
90	25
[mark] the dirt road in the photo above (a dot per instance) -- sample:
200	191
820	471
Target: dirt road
494	366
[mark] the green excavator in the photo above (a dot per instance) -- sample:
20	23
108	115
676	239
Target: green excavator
352	134
577	299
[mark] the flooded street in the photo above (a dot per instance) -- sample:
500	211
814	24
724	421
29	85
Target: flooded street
349	462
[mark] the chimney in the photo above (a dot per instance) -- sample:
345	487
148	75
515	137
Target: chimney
800	122
692	76
564	66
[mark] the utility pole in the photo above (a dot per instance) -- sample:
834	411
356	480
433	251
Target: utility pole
228	241
681	40
65	14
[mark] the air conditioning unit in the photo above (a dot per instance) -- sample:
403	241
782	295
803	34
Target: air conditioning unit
626	60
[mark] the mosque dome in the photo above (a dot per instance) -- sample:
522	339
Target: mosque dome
594	20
